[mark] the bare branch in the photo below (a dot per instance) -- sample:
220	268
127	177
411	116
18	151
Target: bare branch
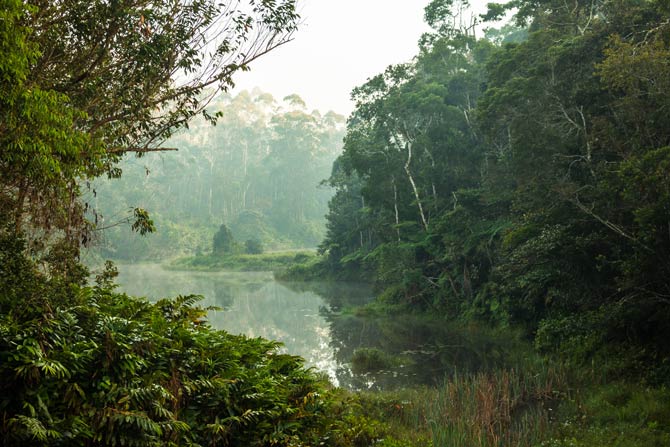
611	225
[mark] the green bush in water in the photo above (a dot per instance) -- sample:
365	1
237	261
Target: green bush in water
370	360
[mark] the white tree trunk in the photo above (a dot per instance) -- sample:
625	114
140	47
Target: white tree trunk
395	207
414	188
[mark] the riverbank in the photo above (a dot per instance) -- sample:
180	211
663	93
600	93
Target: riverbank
552	400
521	398
547	407
265	262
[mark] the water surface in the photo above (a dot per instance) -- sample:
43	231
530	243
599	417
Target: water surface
324	324
252	303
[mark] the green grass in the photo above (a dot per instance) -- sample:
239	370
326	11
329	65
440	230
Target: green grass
539	404
274	261
616	414
370	360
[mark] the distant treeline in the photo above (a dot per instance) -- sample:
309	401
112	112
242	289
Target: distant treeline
258	171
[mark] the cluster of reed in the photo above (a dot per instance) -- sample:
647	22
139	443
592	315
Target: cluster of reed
507	407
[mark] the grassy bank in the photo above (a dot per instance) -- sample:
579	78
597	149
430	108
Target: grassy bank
274	261
518	408
613	414
505	407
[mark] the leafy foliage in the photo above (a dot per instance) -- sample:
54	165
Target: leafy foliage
223	242
253	247
89	366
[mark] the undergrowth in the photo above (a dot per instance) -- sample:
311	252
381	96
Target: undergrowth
505	407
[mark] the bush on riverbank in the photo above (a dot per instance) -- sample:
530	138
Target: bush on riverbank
84	365
319	268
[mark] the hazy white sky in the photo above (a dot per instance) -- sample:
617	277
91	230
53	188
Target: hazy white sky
340	44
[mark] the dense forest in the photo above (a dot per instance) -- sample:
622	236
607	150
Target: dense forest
521	179
257	171
516	181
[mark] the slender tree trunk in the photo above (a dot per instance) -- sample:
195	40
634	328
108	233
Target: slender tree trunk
244	196
209	207
70	230
432	178
414	188
395	207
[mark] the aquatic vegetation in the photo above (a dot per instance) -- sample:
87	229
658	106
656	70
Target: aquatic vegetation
371	360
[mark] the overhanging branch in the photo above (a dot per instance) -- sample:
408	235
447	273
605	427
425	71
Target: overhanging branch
139	150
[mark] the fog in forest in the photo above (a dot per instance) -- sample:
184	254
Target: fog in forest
259	170
385	223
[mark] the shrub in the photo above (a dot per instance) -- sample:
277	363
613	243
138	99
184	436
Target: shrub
223	242
253	247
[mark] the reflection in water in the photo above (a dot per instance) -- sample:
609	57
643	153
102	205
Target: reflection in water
252	303
316	322
386	352
392	352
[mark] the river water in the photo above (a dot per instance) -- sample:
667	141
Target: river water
323	323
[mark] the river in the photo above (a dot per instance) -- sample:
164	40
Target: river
324	324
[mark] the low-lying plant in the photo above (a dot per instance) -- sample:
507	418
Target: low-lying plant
613	414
